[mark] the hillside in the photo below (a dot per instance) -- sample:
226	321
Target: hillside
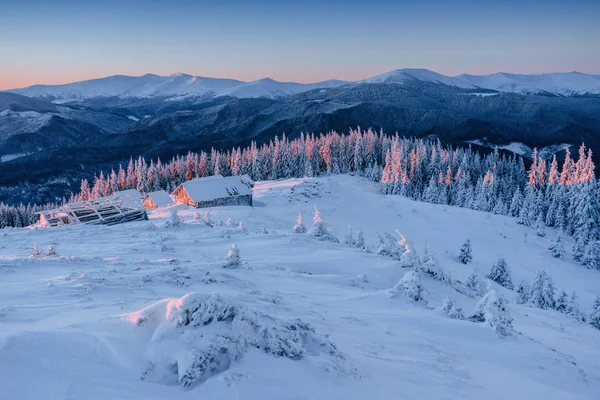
105	317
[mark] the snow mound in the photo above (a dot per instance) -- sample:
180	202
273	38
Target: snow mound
199	336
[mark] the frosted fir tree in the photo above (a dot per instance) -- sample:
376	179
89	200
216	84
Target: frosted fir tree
349	237
431	266
500	274
540	228
562	302
493	311
476	284
35	252
233	260
299	227
241	227
174	220
542	291
410	285
388	246
465	255
318	228
409	258
360	240
574	311
207	219
557	247
595	314
591	255
523	293
51	250
449	308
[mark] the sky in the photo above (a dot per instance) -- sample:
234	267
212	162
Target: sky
60	41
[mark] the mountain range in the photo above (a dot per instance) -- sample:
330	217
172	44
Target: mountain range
181	85
51	136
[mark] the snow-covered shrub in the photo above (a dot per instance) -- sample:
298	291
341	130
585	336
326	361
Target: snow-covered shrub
388	246
360	240
233	257
318	228
410	258
557	247
35	252
562	302
174	220
349	237
197	216
493	310
229	222
241	227
431	266
204	335
595	315
466	254
543	291
574	311
359	280
410	285
449	308
51	250
207	220
591	255
299	227
540	226
476	284
500	274
523	293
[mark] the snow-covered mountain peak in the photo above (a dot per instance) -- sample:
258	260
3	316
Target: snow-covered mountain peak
411	74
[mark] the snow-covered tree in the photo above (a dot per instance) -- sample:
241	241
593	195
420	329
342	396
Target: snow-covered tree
431	266
35	253
523	293
241	227
174	219
500	274
318	228
595	314
465	255
543	291
410	285
51	250
360	240
493	310
540	224
389	246
207	219
449	308
233	257
562	302
574	311
349	237
299	227
476	284
557	247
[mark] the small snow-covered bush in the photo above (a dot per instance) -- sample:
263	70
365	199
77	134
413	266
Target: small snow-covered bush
476	284
410	285
197	216
35	252
349	238
449	308
233	257
299	227
595	315
207	220
574	311
174	220
204	335
523	293
431	266
360	240
493	310
320	230
51	250
466	254
500	274
228	223
241	227
389	247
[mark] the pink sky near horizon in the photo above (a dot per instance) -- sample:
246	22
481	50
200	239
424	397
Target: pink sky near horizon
15	79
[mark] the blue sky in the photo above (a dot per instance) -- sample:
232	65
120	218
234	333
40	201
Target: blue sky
63	40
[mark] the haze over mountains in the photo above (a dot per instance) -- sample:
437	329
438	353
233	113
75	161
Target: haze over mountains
176	85
75	130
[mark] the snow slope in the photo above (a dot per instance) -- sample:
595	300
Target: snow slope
425	75
562	83
270	88
106	316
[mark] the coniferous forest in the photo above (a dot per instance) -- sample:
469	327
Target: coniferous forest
563	196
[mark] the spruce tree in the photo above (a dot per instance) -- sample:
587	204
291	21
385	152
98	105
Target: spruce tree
557	247
562	303
500	274
465	255
542	291
595	314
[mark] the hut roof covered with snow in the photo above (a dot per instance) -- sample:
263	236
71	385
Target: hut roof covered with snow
159	198
215	191
120	207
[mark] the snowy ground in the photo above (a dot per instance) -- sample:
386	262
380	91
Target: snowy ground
73	325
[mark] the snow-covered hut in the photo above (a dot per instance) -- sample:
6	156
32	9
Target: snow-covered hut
159	198
215	191
118	208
